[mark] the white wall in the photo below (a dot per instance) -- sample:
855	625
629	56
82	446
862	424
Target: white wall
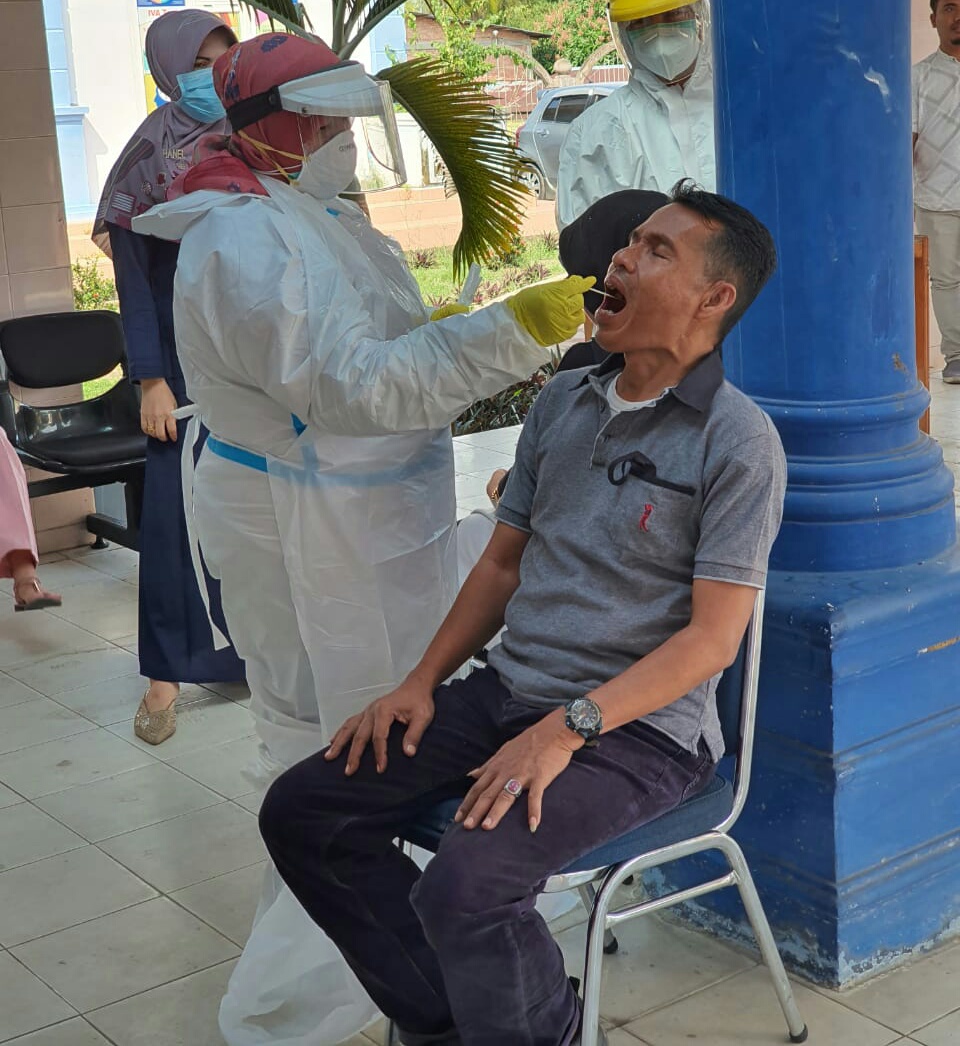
109	79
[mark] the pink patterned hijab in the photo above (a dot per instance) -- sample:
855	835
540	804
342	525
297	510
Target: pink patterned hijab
162	146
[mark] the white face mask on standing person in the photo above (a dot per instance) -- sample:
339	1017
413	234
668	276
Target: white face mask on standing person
329	170
667	50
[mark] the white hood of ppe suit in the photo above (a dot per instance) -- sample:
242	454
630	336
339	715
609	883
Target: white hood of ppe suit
283	309
645	135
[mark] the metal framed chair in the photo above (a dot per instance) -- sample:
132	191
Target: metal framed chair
700	824
90	443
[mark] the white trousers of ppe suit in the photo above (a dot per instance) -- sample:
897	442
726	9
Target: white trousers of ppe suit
291	986
942	230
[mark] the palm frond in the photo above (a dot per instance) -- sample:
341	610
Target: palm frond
480	157
290	15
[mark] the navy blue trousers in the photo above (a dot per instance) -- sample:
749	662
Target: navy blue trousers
175	644
461	946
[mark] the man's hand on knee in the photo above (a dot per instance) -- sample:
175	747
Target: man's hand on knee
530	762
411	703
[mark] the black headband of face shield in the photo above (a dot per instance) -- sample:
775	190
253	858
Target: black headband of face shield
258	106
255	108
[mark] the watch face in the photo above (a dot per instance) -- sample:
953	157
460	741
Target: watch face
584	714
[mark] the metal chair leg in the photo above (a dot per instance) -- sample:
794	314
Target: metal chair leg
391	1036
764	935
588	896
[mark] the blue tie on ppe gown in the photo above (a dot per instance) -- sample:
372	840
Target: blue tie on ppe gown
175	641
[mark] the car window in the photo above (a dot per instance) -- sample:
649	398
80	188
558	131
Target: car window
571	106
550	112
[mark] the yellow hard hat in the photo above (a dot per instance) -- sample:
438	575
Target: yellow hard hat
628	10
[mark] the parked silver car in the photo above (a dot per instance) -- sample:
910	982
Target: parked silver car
541	135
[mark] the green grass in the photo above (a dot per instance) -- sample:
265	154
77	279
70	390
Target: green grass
437	284
97	387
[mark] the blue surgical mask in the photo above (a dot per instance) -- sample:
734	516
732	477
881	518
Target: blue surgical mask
198	97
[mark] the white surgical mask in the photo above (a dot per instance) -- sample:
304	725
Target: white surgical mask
330	169
666	50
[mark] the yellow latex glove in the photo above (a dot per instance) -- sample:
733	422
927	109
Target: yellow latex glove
452	308
551	312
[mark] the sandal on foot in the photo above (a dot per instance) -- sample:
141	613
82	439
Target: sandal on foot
43	600
155	727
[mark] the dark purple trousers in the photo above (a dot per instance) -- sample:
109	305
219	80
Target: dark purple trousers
461	946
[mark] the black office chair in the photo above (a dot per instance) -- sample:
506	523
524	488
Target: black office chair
90	443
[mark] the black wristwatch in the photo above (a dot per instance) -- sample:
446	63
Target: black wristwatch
584	718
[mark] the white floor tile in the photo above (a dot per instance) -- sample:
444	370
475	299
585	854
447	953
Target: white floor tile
25	1002
251	801
38	638
115	562
191	848
99	660
224	768
227	903
13	692
657	963
129	801
621	1037
944	1032
743	1011
96	595
35	722
911	997
119	955
107	702
71	1033
474	460
200	724
8	798
28	834
50	895
111	620
79	760
67	574
183	1013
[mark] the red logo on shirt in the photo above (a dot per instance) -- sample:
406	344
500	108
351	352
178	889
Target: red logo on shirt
645	518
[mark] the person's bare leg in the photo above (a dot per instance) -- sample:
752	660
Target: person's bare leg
26	585
161	695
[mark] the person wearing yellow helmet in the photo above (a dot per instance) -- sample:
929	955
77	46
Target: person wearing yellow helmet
656	129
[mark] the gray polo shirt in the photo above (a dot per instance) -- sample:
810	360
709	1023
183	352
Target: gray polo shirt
624	511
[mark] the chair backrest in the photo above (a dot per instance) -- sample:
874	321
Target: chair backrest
737	708
61	348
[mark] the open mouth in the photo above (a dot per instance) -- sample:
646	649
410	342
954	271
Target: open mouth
613	300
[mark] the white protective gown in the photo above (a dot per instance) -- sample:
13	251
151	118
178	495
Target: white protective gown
324	503
645	135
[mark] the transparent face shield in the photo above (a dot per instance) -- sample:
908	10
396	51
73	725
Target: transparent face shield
666	44
344	105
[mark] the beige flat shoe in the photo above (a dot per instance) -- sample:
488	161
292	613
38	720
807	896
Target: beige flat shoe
155	727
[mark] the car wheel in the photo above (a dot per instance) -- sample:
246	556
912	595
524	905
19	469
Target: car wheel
531	177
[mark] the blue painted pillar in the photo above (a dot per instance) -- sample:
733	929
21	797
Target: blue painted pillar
854	824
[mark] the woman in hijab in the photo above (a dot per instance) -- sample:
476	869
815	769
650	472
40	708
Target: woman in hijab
175	639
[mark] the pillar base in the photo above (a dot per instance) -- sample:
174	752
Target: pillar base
852	829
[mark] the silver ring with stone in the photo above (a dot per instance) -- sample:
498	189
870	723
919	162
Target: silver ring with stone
513	788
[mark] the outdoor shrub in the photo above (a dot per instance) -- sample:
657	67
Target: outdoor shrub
512	256
422	258
550	242
509	407
91	289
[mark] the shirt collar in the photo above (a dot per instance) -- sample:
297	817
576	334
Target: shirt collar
696	390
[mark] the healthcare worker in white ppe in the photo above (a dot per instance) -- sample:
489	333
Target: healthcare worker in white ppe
324	497
658	127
